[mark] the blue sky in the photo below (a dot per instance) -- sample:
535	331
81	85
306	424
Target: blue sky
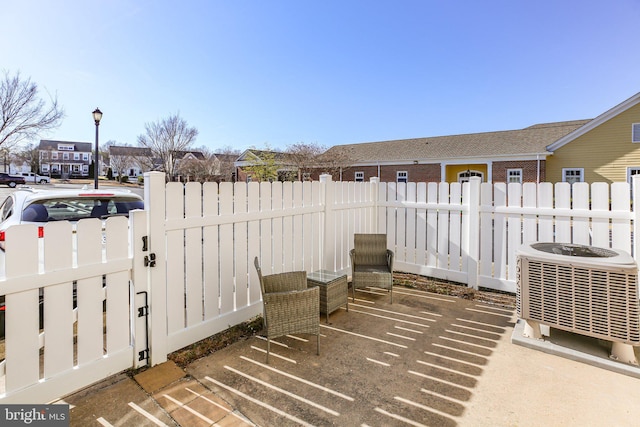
277	72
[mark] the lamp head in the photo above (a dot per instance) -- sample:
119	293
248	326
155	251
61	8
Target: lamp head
97	116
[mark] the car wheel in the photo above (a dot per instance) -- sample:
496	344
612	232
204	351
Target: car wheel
12	184
43	181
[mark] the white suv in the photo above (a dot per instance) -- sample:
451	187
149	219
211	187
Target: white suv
41	206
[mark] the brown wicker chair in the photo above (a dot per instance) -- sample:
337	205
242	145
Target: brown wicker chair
371	263
289	306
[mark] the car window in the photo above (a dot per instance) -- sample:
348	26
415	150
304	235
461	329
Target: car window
77	208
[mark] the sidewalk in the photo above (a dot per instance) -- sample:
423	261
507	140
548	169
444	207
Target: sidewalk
425	360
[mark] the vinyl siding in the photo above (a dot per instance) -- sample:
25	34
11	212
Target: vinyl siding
604	152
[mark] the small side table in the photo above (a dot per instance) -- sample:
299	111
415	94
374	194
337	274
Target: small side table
333	290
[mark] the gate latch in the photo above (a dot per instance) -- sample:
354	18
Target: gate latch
150	260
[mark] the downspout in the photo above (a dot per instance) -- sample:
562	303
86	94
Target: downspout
538	168
378	169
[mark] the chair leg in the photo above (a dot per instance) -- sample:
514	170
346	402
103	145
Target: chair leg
318	343
391	293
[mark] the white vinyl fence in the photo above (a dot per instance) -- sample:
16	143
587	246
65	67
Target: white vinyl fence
182	269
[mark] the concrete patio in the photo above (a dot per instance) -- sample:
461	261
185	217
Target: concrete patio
428	359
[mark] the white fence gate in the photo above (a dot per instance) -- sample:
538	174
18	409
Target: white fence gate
182	270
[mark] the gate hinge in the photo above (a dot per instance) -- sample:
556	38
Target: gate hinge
143	354
150	260
143	311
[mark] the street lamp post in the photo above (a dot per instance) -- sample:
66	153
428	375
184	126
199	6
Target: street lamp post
97	116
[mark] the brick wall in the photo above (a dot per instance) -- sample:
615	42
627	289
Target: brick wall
529	170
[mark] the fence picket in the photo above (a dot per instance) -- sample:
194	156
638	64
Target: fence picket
117	290
514	228
411	231
22	344
562	199
580	225
253	240
443	227
620	227
175	258
500	231
58	300
211	251
530	222
227	293
455	224
90	295
600	203
432	225
487	227
193	255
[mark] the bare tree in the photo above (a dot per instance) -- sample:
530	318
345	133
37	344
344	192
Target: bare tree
304	156
23	114
121	161
227	157
166	139
335	161
29	154
205	168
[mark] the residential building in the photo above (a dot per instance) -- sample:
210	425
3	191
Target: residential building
130	161
65	159
284	170
503	156
606	149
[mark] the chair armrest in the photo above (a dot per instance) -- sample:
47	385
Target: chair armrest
352	256
291	296
390	259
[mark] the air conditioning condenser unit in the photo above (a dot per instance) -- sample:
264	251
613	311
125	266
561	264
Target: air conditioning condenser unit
582	289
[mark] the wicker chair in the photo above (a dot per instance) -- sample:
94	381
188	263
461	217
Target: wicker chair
289	306
371	263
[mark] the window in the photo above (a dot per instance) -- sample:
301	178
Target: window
402	176
514	175
572	175
85	169
76	156
85	156
635	132
359	177
464	176
44	167
631	171
54	156
65	156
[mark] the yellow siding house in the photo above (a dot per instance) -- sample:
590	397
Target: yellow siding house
606	149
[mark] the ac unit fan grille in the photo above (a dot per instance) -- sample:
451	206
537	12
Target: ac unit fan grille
599	303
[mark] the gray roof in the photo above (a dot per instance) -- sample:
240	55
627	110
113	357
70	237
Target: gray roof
48	144
118	150
524	142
